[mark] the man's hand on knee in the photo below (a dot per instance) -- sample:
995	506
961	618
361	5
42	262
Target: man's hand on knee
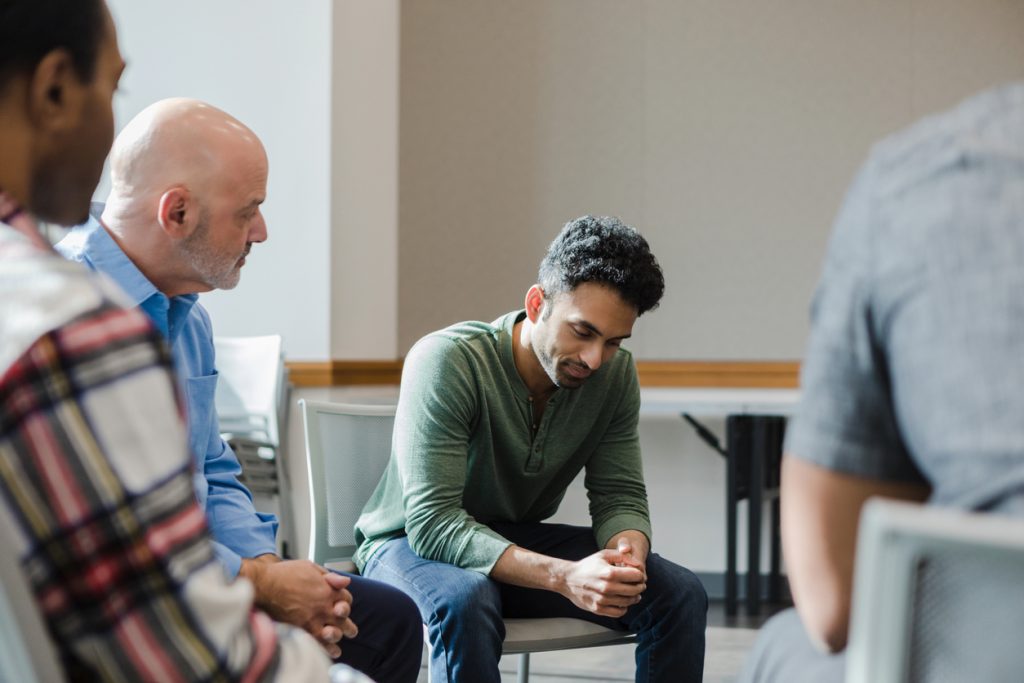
305	594
606	583
634	548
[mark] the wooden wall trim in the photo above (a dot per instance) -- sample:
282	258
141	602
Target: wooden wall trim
342	373
346	373
309	373
730	374
653	373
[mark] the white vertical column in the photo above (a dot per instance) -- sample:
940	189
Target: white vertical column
364	180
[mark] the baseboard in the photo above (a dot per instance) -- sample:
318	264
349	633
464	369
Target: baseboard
714	584
652	373
719	374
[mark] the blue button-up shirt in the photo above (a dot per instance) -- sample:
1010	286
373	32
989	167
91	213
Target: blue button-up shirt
238	529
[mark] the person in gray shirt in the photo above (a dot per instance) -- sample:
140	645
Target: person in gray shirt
913	382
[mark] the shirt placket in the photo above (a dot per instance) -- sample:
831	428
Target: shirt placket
538	437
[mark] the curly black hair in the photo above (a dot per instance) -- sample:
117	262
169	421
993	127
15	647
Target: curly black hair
29	29
607	251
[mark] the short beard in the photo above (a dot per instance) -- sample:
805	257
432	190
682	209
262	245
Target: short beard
212	267
549	366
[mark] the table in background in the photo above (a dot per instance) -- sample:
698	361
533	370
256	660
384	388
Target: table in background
755	427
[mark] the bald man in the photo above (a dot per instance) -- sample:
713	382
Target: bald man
187	183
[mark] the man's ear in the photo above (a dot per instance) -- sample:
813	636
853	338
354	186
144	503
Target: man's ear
177	213
534	303
56	95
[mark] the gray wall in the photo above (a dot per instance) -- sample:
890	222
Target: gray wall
726	131
423	153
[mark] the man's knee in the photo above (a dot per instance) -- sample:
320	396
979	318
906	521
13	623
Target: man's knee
441	593
471	597
676	586
404	614
464	622
405	607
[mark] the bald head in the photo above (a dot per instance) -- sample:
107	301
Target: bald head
178	141
187	181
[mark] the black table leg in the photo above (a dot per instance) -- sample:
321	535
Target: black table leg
735	445
758	452
775	582
753	451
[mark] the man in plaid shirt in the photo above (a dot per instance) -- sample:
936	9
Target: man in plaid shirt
94	470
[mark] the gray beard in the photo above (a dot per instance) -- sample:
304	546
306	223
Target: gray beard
214	270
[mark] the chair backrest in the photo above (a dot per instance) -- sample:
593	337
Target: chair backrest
26	651
347	450
938	596
252	386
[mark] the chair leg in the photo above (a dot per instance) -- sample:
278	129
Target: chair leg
430	650
524	668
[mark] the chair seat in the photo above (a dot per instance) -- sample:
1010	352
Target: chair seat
562	633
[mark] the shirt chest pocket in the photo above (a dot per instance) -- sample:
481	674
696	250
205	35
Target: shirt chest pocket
202	417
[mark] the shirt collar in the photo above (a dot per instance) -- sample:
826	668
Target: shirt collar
506	339
13	215
103	253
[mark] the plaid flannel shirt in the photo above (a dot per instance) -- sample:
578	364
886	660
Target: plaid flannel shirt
94	475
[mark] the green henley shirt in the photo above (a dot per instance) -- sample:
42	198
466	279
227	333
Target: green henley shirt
464	453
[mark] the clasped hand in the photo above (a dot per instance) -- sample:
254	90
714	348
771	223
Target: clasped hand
304	594
607	583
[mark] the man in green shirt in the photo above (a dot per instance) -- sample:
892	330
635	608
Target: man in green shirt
494	422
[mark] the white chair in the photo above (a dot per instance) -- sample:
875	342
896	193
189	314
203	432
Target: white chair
347	450
938	596
253	385
252	404
26	652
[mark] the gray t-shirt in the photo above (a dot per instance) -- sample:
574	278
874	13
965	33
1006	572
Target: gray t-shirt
915	364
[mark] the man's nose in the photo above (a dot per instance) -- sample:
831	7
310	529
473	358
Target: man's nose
258	232
593	355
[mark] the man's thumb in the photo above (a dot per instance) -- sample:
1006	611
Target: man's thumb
337	581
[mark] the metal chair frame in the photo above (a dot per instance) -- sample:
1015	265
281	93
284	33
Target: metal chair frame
522	636
896	542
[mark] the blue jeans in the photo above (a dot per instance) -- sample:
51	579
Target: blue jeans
389	644
463	609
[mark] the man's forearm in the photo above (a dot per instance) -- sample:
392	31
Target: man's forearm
520	567
638	541
820	515
605	583
253	569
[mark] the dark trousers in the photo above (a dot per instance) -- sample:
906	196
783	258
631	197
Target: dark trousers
389	645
